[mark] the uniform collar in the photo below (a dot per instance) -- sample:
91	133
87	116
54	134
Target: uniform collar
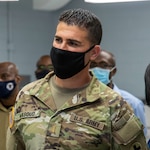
92	93
2	108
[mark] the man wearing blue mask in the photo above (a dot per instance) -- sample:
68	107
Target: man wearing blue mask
9	86
104	68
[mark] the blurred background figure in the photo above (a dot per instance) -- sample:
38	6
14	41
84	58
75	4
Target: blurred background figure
147	85
9	87
44	66
104	68
147	99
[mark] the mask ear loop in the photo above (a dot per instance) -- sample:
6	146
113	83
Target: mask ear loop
111	71
89	49
112	68
87	52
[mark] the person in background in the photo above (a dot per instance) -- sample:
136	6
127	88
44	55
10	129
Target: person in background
43	66
147	99
9	87
69	109
104	68
147	84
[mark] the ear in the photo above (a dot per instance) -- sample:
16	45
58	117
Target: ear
114	72
95	52
18	79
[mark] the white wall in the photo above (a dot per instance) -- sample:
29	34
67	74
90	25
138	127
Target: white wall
30	35
126	33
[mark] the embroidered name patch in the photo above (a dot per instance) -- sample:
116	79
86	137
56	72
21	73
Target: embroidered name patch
28	114
87	121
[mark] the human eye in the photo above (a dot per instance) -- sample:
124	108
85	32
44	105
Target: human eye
5	76
93	64
41	67
73	43
103	65
58	40
50	67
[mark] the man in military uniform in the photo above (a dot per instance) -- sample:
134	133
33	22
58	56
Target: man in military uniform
9	87
70	109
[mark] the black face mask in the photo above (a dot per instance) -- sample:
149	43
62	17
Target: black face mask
66	63
41	74
6	88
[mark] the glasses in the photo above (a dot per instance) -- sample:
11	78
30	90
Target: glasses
49	67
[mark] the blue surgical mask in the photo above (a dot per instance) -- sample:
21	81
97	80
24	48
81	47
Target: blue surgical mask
6	88
102	74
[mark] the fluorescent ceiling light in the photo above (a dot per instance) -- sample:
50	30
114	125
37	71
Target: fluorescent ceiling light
7	0
110	1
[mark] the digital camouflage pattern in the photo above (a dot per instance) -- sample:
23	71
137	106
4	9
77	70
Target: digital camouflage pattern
96	118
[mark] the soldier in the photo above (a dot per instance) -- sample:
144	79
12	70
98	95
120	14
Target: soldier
70	109
9	87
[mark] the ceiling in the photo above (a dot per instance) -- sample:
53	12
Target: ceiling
49	5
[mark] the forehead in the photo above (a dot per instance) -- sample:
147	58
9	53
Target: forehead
5	68
104	57
45	61
71	32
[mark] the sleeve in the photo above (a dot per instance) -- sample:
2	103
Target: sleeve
127	129
10	141
13	143
137	105
140	112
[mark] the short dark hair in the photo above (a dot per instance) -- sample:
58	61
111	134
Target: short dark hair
84	19
113	59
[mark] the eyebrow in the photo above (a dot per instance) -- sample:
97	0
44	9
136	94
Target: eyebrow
70	40
75	41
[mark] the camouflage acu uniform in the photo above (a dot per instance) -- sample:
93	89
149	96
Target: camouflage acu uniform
96	118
